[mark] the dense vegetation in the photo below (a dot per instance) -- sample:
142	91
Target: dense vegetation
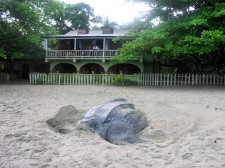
24	23
190	35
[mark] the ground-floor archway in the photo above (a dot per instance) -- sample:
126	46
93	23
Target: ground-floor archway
129	69
95	66
64	68
92	68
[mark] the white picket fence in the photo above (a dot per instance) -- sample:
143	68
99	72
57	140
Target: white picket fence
153	79
156	79
4	77
70	79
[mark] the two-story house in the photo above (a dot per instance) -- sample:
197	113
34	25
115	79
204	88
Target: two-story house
81	51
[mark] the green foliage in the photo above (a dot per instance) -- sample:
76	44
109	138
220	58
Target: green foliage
120	80
23	24
191	36
104	22
117	80
77	15
128	82
40	81
107	23
22	27
2	53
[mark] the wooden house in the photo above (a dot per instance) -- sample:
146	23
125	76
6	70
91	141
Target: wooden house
86	52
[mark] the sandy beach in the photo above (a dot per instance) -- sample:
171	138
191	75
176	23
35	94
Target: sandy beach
187	128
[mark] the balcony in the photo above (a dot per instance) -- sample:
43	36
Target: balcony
82	54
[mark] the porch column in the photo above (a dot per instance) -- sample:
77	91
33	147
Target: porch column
75	48
103	48
75	44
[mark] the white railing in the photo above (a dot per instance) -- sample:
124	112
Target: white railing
80	53
156	79
111	53
153	79
4	77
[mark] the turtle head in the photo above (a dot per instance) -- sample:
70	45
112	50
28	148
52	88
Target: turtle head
92	123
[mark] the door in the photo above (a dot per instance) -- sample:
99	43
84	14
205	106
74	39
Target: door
25	69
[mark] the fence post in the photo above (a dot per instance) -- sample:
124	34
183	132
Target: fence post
110	78
48	79
35	78
210	78
55	78
91	79
193	79
214	80
64	79
76	79
102	79
67	79
175	80
80	79
150	79
144	80
153	79
168	80
199	80
84	79
30	77
178	80
160	79
189	79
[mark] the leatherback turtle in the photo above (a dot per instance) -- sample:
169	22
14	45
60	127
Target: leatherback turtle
117	121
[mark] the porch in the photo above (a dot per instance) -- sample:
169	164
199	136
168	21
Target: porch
76	44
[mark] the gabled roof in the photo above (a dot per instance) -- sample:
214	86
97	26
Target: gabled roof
91	33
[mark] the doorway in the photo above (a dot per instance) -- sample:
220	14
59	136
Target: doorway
25	69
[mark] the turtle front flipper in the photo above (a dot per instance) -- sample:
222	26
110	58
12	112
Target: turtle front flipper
119	133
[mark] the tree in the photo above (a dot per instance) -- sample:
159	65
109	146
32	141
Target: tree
70	16
24	23
104	22
190	37
22	27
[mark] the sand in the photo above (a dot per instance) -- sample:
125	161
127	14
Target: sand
187	128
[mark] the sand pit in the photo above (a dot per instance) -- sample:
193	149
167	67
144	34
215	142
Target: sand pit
187	127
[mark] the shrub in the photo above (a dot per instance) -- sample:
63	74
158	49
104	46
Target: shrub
116	80
40	81
128	82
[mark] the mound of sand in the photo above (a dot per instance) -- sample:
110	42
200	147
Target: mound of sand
186	127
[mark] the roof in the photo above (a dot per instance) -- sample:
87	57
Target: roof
91	33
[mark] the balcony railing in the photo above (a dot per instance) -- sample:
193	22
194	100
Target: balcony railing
81	53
